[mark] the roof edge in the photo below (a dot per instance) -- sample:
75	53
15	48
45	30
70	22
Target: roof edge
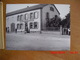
56	8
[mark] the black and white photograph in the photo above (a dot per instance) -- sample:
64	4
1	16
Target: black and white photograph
38	27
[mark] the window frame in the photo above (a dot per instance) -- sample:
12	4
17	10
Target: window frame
21	17
36	24
18	18
32	25
31	16
51	9
18	26
35	14
21	25
27	16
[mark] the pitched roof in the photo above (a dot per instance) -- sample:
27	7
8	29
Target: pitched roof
28	9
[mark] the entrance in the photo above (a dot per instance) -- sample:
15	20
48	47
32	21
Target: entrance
26	25
27	28
13	27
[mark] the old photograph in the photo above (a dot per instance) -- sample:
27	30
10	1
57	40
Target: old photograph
39	27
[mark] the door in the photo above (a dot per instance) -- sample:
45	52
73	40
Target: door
13	27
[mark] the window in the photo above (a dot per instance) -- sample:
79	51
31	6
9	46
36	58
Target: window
18	18
35	24
31	25
31	15
51	8
26	16
21	17
18	26
47	15
35	15
21	26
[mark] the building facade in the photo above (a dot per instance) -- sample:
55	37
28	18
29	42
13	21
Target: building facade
32	18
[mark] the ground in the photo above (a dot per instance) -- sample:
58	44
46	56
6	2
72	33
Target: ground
37	41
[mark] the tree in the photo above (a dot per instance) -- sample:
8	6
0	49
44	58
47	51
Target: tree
53	22
66	22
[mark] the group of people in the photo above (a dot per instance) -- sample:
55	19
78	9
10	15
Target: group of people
26	30
65	31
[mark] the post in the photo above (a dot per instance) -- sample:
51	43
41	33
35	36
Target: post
61	30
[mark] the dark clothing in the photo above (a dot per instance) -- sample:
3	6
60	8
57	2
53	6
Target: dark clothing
27	30
15	30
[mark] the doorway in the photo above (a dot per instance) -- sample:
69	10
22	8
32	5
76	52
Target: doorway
12	27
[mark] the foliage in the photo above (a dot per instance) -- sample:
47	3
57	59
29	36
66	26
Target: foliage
53	22
66	22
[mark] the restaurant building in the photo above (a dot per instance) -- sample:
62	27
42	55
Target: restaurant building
34	18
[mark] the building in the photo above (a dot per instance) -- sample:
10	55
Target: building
33	18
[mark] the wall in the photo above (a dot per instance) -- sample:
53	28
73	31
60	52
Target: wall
35	20
51	14
13	19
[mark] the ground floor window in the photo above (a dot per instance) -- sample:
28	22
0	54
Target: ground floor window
19	26
33	25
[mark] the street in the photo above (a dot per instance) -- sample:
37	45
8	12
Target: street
37	41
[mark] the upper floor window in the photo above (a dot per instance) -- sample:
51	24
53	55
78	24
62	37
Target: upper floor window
35	15
51	8
21	16
47	15
26	17
18	18
31	16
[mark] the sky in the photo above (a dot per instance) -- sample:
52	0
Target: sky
64	9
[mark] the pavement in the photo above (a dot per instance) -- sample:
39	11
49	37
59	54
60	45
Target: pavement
37	41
